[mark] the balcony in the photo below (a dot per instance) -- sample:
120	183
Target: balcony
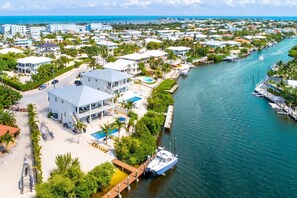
96	109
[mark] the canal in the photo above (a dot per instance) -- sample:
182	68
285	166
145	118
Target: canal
229	142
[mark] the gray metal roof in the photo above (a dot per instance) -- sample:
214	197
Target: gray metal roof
108	75
80	95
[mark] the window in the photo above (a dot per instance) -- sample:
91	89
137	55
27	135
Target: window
96	80
55	99
49	99
89	79
62	102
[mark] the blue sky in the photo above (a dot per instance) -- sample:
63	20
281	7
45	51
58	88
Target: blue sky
150	7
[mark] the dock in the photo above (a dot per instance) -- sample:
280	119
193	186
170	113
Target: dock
169	117
173	89
279	101
134	175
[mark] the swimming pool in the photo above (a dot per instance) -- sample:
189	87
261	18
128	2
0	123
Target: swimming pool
134	99
122	119
101	134
147	79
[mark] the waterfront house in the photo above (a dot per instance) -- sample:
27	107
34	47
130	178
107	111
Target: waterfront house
31	64
179	51
122	65
79	102
47	48
107	80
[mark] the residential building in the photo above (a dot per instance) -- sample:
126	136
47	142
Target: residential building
62	27
107	80
108	44
22	42
31	64
122	65
8	29
98	26
47	48
180	51
82	103
11	50
134	33
36	31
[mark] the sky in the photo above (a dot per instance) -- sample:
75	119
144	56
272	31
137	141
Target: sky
150	7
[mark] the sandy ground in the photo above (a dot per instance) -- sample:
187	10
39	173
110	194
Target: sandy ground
12	163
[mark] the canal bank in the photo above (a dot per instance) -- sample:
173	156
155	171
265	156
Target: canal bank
229	142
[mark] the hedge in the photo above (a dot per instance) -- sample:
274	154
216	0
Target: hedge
33	85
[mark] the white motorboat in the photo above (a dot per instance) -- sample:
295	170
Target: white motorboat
261	58
163	161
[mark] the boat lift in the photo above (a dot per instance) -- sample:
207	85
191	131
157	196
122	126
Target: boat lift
26	182
45	132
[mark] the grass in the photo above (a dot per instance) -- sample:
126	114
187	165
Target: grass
117	178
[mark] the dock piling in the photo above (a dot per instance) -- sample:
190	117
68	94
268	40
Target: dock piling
119	190
128	183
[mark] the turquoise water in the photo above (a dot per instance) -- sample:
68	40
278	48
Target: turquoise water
101	134
230	143
114	19
134	99
148	79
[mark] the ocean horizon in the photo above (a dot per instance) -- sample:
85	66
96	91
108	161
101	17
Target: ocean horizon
27	20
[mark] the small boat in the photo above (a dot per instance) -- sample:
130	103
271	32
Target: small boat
261	58
163	161
231	58
184	70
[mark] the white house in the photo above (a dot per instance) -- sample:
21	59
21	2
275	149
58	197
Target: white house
180	51
13	29
148	40
47	48
35	31
11	50
122	65
31	64
107	80
22	42
79	102
98	26
134	33
62	27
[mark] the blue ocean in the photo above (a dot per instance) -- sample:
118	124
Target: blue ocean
116	19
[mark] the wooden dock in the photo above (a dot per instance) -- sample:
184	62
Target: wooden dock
135	173
169	117
173	89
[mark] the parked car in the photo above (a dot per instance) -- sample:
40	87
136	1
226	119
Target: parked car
55	82
43	86
77	82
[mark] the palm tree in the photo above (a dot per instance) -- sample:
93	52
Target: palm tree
106	128
6	138
80	127
7	118
119	125
129	105
117	97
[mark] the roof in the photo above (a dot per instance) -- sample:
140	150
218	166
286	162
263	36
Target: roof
179	48
34	60
135	56
14	50
292	83
47	45
155	53
4	129
108	75
80	95
119	64
147	40
106	43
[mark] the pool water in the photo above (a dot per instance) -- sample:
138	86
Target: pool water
101	134
122	119
148	79
134	99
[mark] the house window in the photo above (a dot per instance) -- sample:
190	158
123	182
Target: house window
96	80
64	114
55	99
89	79
62	102
48	99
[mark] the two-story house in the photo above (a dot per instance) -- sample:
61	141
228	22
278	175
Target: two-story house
47	48
107	80
31	64
82	103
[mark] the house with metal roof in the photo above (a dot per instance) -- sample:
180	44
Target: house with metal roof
31	64
82	103
47	48
122	65
107	80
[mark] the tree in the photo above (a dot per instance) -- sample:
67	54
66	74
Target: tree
106	128
80	126
64	163
7	118
129	105
119	125
6	139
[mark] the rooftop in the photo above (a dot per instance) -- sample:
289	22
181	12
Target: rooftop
179	48
119	64
80	95
13	50
34	60
11	130
108	75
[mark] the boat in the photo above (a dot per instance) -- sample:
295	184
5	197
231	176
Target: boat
261	58
231	58
163	161
26	181
184	70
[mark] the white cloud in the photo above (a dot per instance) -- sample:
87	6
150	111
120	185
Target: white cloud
6	6
234	3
